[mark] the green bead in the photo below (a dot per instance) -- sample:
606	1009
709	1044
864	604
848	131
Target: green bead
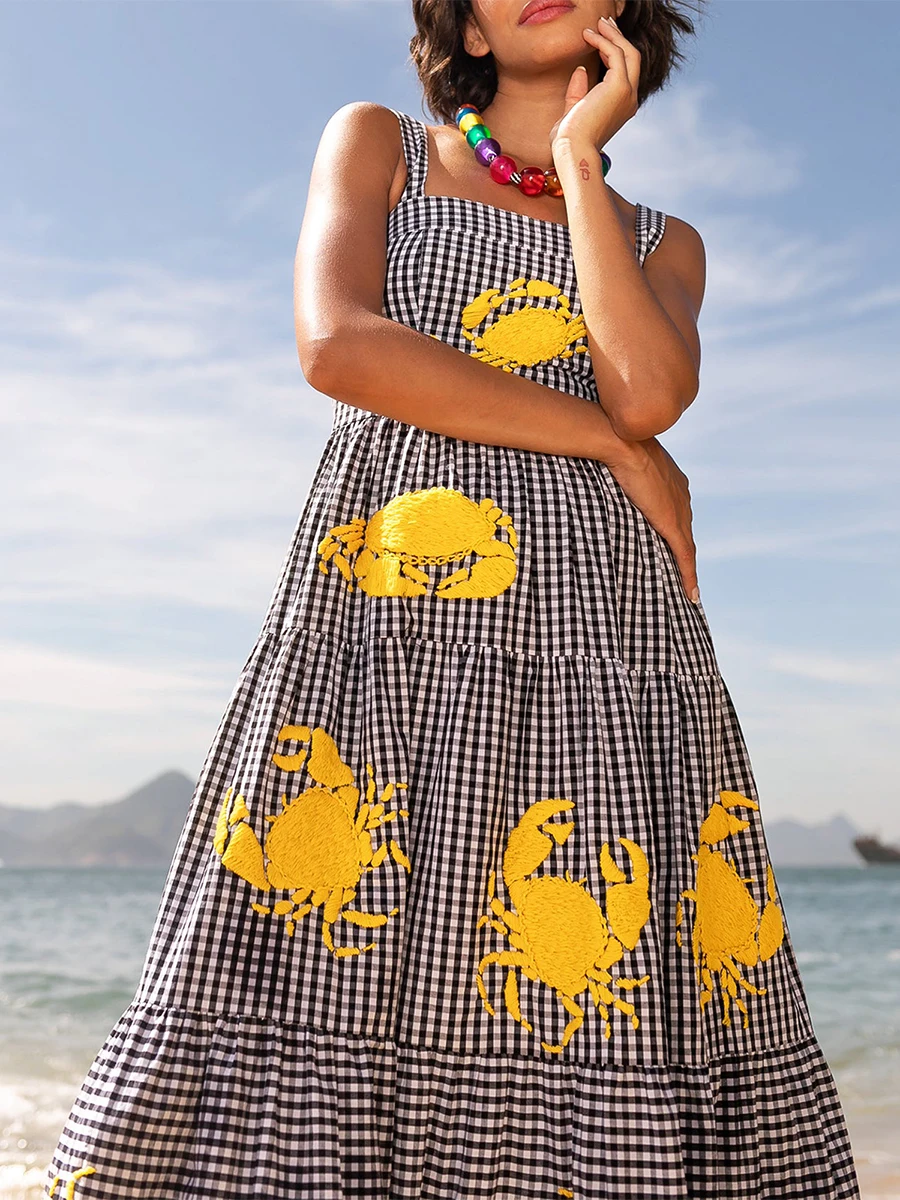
477	134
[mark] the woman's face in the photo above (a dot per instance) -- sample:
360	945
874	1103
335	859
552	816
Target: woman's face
521	37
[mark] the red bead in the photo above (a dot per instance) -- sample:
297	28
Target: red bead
532	183
502	167
552	186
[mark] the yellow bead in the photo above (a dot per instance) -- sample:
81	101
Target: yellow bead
468	121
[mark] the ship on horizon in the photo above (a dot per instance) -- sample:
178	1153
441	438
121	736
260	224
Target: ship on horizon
875	851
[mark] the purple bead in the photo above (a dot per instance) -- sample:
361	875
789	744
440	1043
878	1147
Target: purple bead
487	150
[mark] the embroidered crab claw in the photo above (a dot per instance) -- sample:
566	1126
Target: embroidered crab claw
720	823
627	904
72	1183
533	839
492	572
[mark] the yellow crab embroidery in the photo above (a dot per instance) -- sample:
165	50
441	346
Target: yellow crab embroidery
319	845
560	934
530	334
728	928
72	1184
425	527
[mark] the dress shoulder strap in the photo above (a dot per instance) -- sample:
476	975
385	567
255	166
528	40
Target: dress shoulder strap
415	151
649	226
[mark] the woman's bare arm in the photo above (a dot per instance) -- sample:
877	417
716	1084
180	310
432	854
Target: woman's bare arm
641	323
349	350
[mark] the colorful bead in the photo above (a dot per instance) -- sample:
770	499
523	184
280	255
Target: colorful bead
502	168
532	183
487	150
478	133
468	120
552	186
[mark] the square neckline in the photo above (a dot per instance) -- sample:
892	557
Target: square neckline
483	204
426	156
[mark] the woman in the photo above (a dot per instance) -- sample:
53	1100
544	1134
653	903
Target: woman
474	898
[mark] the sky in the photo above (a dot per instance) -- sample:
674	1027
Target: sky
159	438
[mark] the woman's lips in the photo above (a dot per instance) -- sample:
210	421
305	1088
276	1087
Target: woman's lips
548	13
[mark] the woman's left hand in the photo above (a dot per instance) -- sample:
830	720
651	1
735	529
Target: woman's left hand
595	114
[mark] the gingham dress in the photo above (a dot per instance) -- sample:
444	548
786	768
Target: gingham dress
473	898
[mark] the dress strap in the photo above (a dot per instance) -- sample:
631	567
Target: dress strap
415	151
649	226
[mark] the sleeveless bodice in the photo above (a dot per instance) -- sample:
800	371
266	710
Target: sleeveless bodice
494	283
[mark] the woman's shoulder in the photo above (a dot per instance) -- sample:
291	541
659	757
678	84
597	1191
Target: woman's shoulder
368	132
680	245
364	116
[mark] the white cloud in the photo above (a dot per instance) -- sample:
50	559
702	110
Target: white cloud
675	146
831	668
881	297
154	447
53	679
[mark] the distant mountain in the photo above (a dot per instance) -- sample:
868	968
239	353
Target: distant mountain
793	844
140	830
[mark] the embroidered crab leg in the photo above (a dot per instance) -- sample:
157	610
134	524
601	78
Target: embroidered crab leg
597	997
511	998
398	856
728	965
577	1012
487	919
388	576
414	573
378	857
500	958
627	1008
73	1182
331	914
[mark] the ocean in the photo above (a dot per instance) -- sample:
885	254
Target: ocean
72	945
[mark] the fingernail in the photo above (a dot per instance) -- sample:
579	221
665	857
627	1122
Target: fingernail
695	595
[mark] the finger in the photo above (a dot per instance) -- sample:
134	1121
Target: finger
687	565
684	552
612	55
577	89
615	37
604	43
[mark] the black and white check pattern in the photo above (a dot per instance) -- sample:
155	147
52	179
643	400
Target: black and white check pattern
251	1064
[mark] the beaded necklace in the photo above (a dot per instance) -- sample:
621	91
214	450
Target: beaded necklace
531	181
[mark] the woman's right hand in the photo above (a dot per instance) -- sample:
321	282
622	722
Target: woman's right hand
654	482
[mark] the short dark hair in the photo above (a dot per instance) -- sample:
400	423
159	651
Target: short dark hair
450	76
